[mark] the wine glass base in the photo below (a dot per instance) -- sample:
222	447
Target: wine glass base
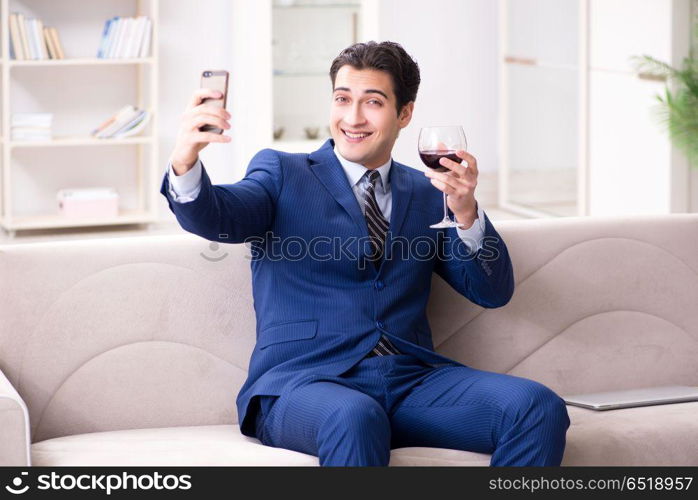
447	223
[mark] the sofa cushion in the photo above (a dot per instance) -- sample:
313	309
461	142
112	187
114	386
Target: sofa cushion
650	435
217	445
647	435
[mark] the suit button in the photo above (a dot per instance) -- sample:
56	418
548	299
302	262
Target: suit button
379	285
379	324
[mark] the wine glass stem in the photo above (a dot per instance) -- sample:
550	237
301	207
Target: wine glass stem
445	208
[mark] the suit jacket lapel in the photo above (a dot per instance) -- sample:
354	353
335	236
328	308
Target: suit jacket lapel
330	172
401	189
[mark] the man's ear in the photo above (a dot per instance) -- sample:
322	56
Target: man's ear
405	115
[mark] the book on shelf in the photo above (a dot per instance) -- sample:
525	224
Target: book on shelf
54	47
126	37
126	122
31	126
31	40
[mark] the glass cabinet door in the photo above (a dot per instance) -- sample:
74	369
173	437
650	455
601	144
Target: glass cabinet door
306	36
540	107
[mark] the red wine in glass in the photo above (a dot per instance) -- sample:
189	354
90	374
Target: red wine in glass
431	158
441	142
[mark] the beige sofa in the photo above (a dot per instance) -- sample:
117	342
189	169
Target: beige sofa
131	351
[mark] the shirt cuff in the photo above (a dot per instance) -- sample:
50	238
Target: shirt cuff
473	236
185	187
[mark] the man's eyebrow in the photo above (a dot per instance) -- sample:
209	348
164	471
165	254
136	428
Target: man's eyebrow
367	91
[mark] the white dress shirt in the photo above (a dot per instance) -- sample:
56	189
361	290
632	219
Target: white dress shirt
355	172
185	188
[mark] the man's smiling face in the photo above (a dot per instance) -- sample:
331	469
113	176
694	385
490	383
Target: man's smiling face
363	117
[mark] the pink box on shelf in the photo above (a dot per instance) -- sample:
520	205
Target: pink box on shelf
88	202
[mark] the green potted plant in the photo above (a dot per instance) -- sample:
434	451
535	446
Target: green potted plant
678	109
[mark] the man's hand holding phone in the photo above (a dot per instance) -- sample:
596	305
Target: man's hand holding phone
191	140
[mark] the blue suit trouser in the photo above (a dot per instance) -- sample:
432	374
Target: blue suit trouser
397	401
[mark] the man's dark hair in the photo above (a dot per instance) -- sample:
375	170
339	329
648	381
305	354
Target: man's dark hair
384	56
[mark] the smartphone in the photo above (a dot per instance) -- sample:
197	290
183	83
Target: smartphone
216	80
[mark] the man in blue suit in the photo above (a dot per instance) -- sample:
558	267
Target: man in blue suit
344	366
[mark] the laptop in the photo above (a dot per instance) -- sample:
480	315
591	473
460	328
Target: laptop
634	397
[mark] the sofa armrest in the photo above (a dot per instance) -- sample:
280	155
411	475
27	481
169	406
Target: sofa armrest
14	426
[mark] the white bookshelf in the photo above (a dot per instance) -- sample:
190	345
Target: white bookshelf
139	178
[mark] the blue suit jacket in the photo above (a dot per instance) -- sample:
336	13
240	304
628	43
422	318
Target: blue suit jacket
320	305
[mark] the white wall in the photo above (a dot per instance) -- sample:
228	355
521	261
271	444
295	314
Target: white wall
193	36
455	44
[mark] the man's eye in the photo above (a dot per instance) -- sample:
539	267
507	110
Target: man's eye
340	98
375	101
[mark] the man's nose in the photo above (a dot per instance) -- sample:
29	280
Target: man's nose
355	116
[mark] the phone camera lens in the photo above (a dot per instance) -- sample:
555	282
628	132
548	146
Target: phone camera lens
207	73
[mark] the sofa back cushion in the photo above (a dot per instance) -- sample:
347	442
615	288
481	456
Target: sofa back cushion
156	331
601	303
119	333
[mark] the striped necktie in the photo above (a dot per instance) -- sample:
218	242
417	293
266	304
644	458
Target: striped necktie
377	229
377	225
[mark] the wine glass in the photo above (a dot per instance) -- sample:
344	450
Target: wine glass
436	143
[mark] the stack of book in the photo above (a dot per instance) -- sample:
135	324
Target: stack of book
30	39
31	126
127	121
126	37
